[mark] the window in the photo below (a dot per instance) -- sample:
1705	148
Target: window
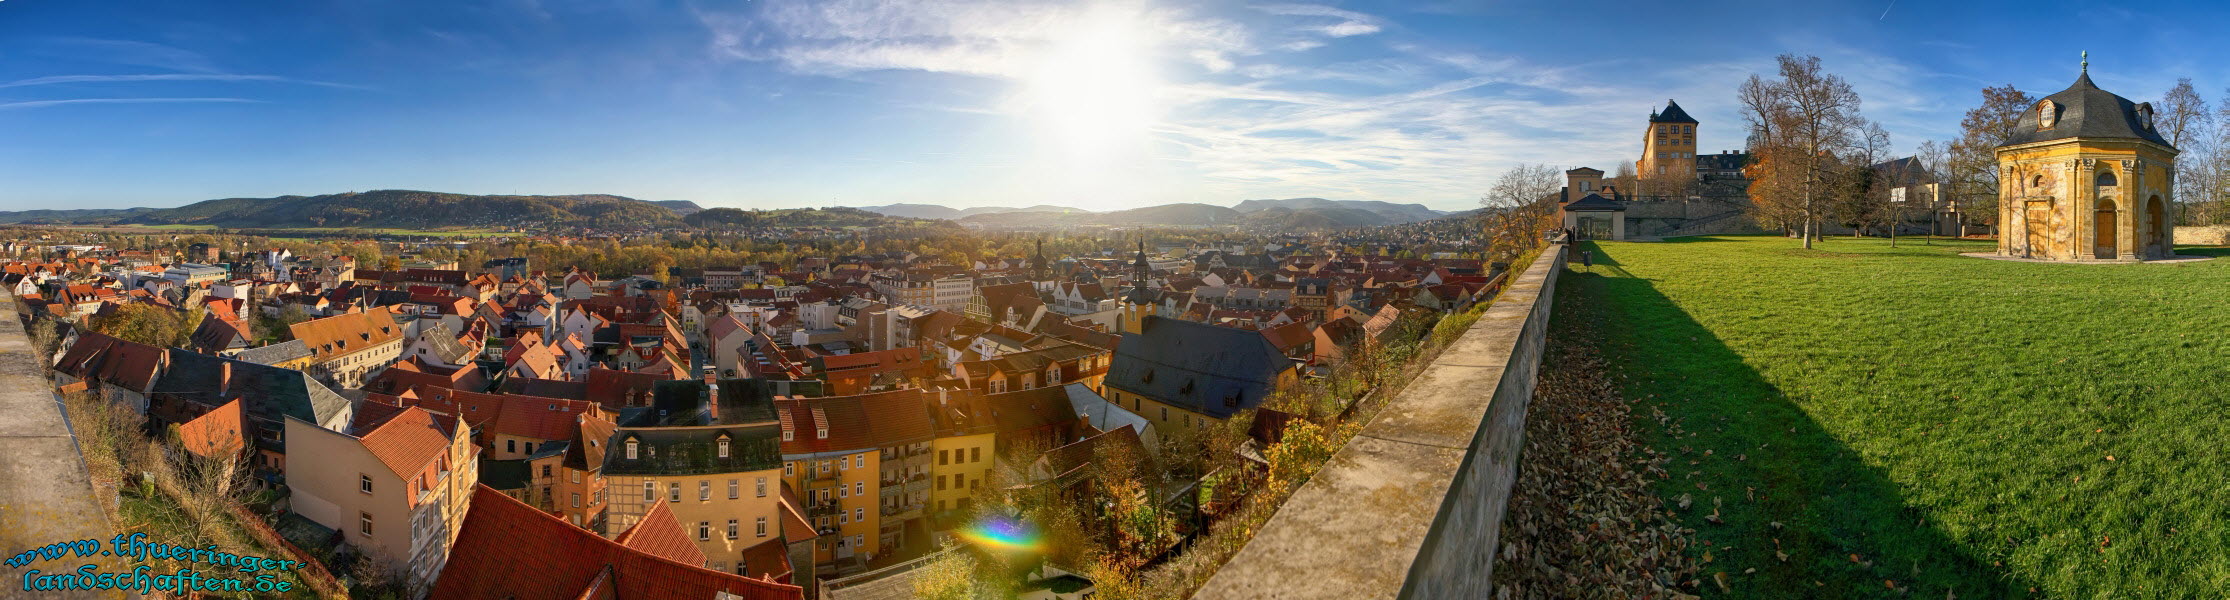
762	526
650	491
723	448
843	492
576	474
364	483
843	518
859	461
731	529
513	446
704	491
762	487
942	455
576	500
2106	178
704	531
789	469
673	492
940	483
630	449
859	488
732	490
364	523
859	514
975	454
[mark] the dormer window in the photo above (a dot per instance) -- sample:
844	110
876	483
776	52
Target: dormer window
823	433
2047	114
630	449
723	443
789	436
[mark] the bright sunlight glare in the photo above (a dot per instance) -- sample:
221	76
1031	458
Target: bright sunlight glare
1093	96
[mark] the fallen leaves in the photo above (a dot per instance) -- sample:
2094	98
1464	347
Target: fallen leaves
1583	519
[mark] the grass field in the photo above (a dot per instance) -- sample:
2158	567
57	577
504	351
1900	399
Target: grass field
1881	422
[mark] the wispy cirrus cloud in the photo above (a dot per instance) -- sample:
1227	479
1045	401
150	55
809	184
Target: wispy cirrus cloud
158	77
1351	23
70	101
1395	118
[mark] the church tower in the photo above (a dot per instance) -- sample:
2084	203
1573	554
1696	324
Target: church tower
2086	177
1141	300
1038	269
1669	145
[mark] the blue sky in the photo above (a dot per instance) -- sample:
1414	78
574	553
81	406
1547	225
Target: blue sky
1099	105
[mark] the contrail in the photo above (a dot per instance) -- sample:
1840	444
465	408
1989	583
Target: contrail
1885	11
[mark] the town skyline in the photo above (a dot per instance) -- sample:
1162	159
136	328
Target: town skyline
960	104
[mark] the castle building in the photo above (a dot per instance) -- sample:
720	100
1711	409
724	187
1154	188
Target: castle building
2086	177
1669	144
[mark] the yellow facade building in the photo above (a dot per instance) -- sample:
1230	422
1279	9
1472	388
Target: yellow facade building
723	483
2086	177
1668	145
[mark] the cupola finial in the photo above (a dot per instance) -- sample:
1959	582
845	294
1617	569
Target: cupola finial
2086	62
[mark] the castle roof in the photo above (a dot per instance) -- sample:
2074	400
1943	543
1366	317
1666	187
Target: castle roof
1672	114
2084	111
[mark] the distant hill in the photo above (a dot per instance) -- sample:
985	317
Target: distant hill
934	211
1391	213
680	207
51	216
397	209
834	216
409	209
1281	217
1166	214
1304	213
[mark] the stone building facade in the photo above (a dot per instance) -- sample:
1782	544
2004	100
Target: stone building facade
2086	177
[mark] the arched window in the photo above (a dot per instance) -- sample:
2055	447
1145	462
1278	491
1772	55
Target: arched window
2037	183
2106	179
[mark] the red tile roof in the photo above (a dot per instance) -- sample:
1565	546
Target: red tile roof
408	442
510	550
217	433
658	534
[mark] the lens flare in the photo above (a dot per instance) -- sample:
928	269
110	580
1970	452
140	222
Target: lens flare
1005	535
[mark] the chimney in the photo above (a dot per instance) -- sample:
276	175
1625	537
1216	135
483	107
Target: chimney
224	378
712	399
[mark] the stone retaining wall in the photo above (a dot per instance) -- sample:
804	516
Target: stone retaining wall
1412	507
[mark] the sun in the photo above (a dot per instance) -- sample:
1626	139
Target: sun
1094	93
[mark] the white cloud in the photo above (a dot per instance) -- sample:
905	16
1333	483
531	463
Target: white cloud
1417	124
63	79
47	103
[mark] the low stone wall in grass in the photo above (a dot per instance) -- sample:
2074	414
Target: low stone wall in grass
2205	235
1412	507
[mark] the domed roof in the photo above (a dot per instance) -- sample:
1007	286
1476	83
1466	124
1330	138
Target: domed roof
2083	110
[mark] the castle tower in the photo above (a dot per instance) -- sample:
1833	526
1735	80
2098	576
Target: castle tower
1668	145
2086	177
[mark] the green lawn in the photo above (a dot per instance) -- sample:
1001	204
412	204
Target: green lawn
1918	422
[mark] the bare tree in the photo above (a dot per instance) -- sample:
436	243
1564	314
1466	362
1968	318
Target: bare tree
1519	205
2185	121
1930	159
1971	167
1800	122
